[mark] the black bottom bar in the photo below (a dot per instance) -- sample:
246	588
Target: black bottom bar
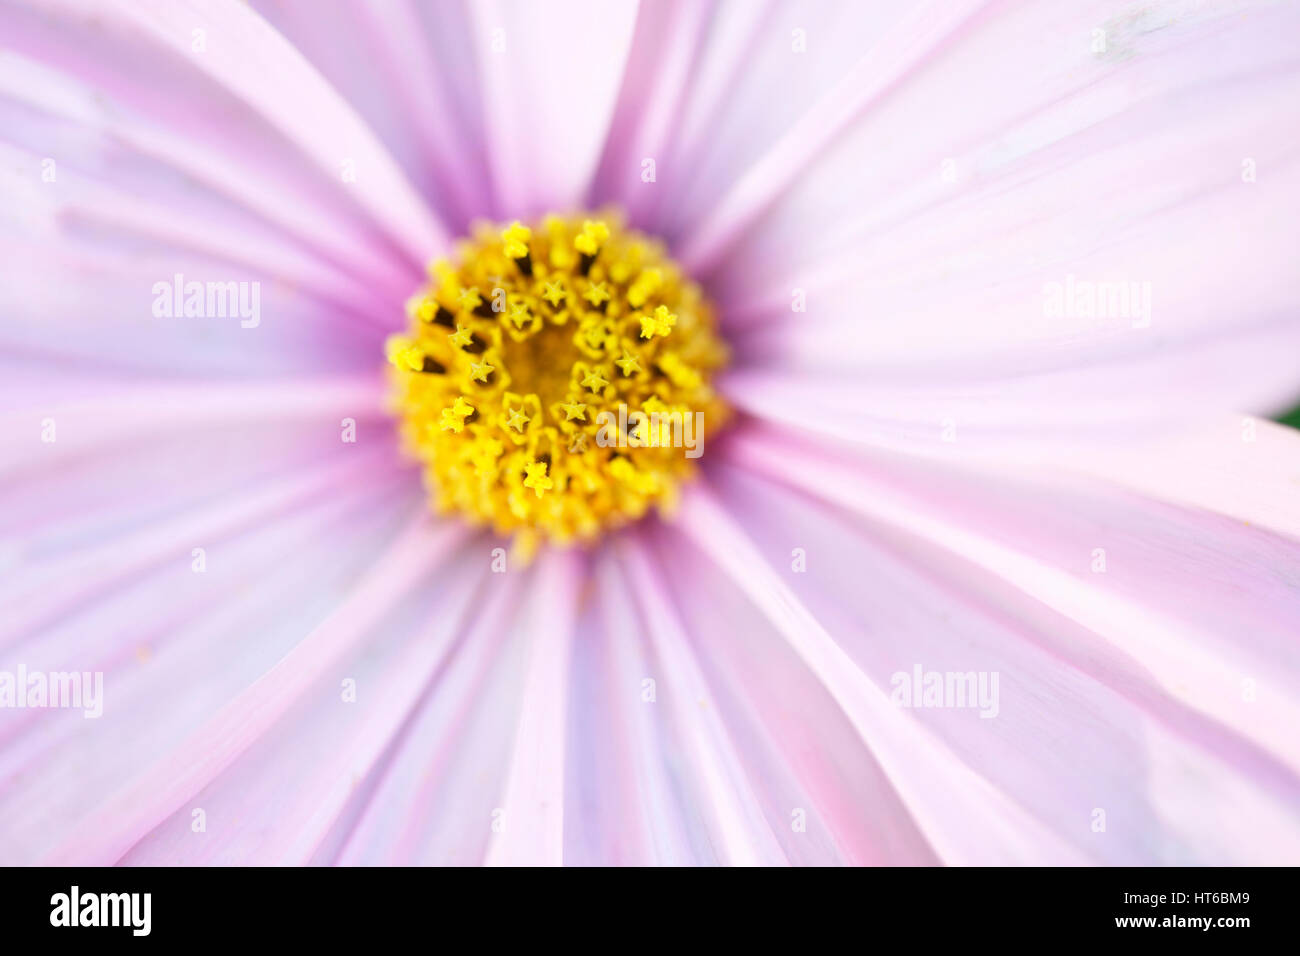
1219	907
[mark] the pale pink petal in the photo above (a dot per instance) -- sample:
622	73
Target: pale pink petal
711	102
666	55
173	152
437	795
295	787
274	130
1236	466
65	568
1178	649
1233	465
103	490
962	816
170	537
622	806
804	758
979	413
646	752
104	411
174	646
550	74
261	68
730	812
531	831
927	238
406	66
907	43
155	791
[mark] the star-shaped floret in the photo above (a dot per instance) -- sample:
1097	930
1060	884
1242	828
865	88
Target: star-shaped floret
463	337
594	380
555	293
535	477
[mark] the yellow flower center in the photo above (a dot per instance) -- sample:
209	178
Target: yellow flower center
555	380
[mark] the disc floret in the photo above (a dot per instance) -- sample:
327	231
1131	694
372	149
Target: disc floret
539	368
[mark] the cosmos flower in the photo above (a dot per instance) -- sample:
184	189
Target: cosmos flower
986	558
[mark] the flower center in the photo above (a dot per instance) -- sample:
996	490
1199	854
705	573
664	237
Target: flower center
555	380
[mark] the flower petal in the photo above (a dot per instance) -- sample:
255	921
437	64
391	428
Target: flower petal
1084	229
262	69
533	799
909	39
666	54
405	67
654	776
436	796
978	413
157	790
236	87
550	75
1180	642
959	812
169	153
297	786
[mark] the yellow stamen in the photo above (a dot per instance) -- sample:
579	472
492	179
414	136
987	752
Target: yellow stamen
517	420
463	336
574	410
536	477
596	294
628	364
554	293
660	323
594	381
551	390
469	299
515	237
646	284
593	234
453	417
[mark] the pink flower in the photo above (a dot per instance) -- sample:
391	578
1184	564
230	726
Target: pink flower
994	564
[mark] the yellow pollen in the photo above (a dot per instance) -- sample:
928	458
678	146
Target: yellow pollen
517	420
574	410
554	293
461	337
468	299
576	399
596	294
535	477
660	323
594	381
516	239
593	234
628	364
